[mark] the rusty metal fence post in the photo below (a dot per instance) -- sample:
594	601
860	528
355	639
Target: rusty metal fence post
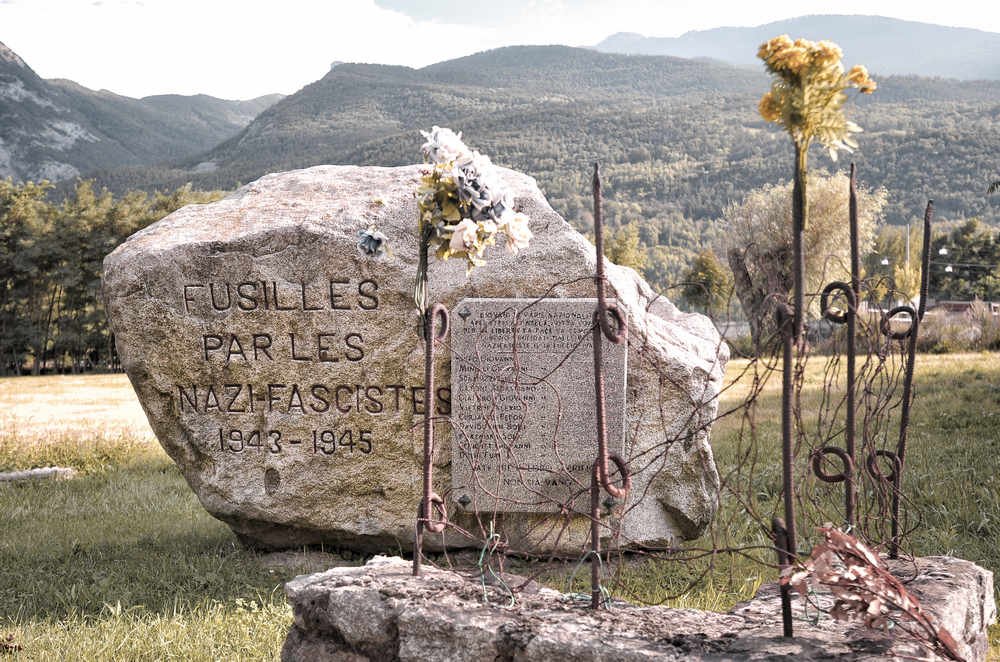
916	316
602	329
785	538
852	294
435	329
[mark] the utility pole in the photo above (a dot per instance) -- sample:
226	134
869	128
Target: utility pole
908	223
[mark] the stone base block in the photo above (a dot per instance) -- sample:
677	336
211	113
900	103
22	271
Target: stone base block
380	612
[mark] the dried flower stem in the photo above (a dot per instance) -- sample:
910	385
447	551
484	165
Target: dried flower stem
864	588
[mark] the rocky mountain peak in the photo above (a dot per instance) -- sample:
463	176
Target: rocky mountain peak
7	55
57	130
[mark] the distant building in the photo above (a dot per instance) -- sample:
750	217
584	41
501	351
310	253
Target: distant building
958	307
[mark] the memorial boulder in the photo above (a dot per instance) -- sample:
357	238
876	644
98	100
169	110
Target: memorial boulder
280	365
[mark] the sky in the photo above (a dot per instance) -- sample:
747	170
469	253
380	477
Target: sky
239	49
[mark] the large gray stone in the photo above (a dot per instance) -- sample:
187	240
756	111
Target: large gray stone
258	315
442	616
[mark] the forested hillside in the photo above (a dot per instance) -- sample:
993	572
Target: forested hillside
164	127
679	139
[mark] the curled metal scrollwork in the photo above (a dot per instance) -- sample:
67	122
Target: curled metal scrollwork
885	326
623	470
845	475
619	335
835	315
817	464
850	291
436	323
602	326
875	471
431	523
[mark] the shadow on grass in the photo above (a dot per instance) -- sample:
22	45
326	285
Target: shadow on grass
130	536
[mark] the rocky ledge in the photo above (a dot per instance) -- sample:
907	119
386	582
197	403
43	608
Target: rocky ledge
380	612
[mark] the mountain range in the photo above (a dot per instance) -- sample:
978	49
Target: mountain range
680	138
56	129
885	45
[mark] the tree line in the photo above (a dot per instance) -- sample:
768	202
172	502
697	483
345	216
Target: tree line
52	318
751	256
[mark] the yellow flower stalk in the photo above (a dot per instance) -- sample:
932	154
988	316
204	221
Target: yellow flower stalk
808	94
769	108
807	97
461	206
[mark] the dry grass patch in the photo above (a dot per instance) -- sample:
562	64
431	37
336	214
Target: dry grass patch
62	408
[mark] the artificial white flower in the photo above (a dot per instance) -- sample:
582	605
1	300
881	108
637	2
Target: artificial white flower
515	226
444	145
373	243
464	236
462	205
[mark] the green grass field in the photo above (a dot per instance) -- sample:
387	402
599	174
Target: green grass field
123	563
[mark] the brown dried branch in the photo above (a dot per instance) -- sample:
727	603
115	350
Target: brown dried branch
864	589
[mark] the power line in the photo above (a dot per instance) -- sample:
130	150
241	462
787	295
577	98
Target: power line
979	265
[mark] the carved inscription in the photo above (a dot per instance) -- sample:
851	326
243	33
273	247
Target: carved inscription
335	293
523	390
327	403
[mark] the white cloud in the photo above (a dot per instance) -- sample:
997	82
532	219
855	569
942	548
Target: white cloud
226	48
